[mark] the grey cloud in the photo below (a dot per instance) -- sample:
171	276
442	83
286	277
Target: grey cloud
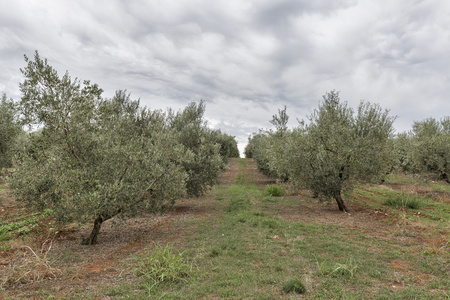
280	13
246	59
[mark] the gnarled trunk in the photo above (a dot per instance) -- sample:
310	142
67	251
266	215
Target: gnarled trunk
340	202
92	239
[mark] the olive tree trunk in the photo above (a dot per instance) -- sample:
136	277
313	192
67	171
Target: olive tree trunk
92	239
340	202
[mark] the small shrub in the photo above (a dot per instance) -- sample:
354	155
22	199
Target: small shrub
275	190
403	202
293	286
160	265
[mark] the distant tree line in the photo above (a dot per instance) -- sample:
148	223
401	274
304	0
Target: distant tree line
91	158
338	147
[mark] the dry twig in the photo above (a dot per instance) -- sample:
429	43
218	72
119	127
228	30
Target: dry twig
30	268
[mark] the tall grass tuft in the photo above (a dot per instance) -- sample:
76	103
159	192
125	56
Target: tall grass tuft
334	269
161	265
293	286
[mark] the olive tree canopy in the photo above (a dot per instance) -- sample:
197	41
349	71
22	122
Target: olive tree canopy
336	148
192	132
431	150
9	131
94	158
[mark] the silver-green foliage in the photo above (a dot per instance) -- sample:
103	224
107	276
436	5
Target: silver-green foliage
9	131
267	147
228	145
192	132
403	147
258	148
94	158
341	147
431	151
336	148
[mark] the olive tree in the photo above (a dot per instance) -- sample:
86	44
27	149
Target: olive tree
228	145
9	131
264	146
94	158
403	148
338	147
248	151
279	163
192	132
432	146
258	148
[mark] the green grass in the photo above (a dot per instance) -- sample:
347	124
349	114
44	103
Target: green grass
434	212
160	265
248	252
244	190
242	163
437	186
275	190
241	178
335	269
404	202
245	250
293	286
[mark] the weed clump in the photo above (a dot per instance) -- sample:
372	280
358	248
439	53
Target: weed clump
161	265
293	286
214	252
334	269
403	202
10	229
275	190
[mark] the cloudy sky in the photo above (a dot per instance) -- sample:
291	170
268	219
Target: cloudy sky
245	59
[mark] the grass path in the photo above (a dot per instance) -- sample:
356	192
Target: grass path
246	244
248	250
